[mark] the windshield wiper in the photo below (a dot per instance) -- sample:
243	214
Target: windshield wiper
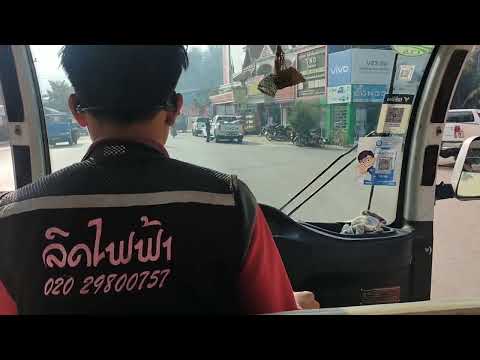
318	176
390	91
372	133
321	187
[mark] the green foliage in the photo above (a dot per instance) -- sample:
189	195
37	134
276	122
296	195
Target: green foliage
304	117
204	73
58	95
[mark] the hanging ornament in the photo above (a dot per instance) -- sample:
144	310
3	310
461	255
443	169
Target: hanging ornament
282	77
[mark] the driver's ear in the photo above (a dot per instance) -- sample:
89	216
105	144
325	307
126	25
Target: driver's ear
179	103
172	116
79	117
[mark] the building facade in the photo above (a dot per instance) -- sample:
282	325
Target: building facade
358	79
345	83
258	109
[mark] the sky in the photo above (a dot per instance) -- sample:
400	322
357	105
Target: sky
47	63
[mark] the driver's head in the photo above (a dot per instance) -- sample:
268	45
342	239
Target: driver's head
125	89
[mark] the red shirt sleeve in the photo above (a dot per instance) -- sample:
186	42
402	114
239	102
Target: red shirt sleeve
7	305
264	283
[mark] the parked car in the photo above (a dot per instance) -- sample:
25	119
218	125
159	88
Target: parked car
227	127
181	124
82	131
198	125
60	127
459	125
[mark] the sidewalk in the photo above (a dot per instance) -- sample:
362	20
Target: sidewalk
262	140
4	145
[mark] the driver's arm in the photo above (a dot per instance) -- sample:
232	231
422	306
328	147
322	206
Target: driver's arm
264	283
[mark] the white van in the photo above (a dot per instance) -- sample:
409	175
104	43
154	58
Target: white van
459	125
198	125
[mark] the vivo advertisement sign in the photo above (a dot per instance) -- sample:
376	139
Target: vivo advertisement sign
340	68
371	66
368	93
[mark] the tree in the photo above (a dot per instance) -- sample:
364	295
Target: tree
303	118
57	95
204	73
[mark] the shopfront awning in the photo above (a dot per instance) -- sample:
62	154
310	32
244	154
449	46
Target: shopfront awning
224	98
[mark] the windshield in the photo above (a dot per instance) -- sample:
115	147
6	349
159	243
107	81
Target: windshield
460	117
289	138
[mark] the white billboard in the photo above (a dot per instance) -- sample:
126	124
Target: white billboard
371	66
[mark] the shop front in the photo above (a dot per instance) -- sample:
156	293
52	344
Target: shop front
223	104
367	100
358	80
311	63
255	104
342	120
285	102
229	102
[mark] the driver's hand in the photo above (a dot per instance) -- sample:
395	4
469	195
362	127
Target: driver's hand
306	300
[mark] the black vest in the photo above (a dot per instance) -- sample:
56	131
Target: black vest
126	230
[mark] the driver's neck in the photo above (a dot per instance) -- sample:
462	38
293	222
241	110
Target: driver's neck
155	130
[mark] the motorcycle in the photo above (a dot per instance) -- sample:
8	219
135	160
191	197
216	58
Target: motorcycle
308	138
279	133
265	129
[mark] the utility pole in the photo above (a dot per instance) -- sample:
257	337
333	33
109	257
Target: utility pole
230	72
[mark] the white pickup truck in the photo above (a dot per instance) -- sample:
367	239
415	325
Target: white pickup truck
227	127
459	125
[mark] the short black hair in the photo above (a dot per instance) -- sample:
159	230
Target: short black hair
126	81
364	154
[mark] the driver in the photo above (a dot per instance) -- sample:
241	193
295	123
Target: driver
124	230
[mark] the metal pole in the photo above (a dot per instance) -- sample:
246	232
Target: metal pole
370	197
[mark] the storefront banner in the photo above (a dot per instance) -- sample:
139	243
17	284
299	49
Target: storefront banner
368	93
252	86
371	66
222	98
240	94
413	50
395	114
340	68
311	64
339	94
410	70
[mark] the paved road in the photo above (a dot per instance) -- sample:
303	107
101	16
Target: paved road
274	171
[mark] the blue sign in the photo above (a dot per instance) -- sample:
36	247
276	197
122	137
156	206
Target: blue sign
340	68
368	93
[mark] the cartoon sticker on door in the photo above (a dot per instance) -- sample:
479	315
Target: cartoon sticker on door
377	160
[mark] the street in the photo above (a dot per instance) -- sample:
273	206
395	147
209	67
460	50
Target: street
276	171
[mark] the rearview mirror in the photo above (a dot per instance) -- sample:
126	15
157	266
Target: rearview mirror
466	173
